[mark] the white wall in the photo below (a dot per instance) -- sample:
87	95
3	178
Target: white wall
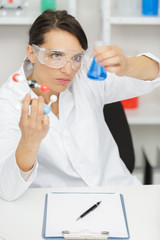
13	41
135	39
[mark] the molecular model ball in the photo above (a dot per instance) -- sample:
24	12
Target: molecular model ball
44	87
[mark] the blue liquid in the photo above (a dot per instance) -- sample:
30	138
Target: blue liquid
96	72
150	7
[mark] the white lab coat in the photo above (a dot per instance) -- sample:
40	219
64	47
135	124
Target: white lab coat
79	149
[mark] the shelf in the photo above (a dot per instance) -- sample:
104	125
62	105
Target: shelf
137	20
17	20
24	17
148	111
141	117
32	11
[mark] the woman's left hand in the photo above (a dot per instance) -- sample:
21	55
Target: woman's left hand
113	59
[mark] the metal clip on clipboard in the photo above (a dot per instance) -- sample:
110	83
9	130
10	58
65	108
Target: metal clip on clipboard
85	235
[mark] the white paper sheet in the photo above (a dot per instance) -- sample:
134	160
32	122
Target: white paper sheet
64	208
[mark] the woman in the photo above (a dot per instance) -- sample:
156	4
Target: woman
72	145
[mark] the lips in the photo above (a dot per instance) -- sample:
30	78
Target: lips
63	81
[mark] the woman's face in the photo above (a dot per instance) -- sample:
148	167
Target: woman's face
58	79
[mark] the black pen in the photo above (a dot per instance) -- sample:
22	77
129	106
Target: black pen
89	210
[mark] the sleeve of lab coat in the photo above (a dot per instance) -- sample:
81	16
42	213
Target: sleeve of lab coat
115	88
12	184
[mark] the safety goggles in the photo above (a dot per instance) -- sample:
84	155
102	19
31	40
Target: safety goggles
57	58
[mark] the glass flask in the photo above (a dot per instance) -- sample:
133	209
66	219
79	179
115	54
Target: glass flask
97	72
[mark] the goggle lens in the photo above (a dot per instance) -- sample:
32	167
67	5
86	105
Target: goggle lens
58	58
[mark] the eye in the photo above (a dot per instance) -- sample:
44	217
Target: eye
77	58
56	56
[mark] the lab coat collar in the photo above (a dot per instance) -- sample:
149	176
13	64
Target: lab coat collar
27	67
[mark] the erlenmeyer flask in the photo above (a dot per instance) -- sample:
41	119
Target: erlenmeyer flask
97	72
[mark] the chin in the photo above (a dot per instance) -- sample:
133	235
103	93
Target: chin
60	89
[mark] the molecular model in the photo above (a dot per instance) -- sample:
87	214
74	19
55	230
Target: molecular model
33	84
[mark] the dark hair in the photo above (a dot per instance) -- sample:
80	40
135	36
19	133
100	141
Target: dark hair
50	20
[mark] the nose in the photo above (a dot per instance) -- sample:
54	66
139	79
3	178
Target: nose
67	68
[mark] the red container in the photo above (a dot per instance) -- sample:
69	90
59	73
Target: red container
130	103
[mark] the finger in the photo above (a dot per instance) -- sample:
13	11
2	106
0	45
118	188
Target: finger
99	50
25	107
106	52
34	110
105	55
106	48
40	112
111	62
113	69
46	121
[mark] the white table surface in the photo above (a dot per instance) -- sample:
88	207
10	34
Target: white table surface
22	219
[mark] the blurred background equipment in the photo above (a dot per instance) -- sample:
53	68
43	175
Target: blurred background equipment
11	4
150	7
48	4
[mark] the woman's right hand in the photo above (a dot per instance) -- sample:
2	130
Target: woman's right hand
34	128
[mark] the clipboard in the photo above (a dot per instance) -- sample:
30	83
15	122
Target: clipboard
83	234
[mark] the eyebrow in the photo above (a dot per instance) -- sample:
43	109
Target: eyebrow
62	52
80	53
56	51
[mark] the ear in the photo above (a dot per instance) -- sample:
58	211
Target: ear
30	54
